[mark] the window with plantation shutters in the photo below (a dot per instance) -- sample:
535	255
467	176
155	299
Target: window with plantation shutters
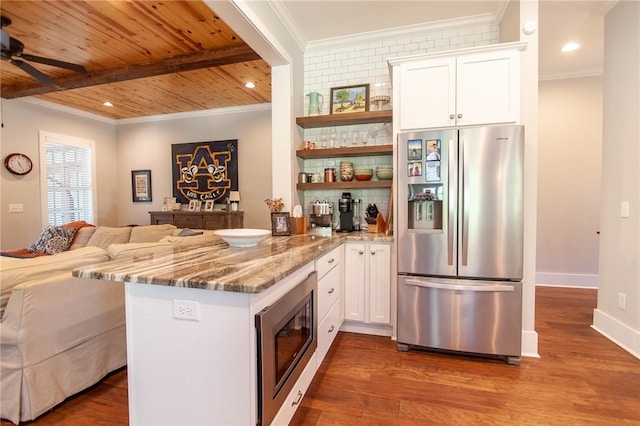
68	179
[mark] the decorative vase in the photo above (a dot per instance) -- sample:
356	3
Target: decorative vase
315	103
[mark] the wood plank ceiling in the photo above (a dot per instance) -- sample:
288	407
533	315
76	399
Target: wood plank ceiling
145	57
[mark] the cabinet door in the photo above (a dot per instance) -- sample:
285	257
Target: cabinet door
488	88
188	220
354	281
427	93
379	283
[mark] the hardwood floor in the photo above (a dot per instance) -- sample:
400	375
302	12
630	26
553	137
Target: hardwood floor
580	379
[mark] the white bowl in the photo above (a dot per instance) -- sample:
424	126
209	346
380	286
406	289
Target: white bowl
242	237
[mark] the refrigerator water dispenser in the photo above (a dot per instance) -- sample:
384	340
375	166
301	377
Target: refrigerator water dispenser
425	214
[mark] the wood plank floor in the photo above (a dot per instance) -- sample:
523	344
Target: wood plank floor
580	379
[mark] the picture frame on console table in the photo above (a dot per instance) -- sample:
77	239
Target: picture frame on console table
141	185
280	224
349	99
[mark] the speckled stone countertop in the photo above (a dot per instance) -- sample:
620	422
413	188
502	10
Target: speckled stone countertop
220	267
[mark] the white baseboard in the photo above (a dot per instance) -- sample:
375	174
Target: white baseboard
530	344
619	333
567	280
365	328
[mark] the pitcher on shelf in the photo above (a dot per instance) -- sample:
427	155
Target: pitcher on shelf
315	103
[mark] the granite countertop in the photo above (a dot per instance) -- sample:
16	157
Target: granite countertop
220	267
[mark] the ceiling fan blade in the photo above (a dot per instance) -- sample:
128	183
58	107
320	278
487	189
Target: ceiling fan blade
42	78
53	62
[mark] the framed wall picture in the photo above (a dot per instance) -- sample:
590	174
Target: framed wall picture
141	185
280	224
204	170
348	99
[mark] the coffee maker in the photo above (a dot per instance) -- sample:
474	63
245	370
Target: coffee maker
346	212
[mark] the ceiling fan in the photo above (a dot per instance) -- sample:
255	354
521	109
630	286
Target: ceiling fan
13	48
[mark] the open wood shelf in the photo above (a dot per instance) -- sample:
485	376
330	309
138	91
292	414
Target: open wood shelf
349	151
354	184
315	121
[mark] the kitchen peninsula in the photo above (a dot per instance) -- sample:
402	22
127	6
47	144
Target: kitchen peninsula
203	370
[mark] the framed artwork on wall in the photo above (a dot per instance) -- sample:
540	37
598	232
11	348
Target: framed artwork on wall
141	185
348	99
204	171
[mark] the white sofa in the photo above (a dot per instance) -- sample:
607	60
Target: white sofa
60	334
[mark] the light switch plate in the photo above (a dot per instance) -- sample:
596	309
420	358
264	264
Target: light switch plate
624	209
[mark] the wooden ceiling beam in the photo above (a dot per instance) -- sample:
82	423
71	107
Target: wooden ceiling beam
178	63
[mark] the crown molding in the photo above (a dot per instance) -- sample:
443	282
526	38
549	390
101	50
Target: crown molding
148	119
194	114
68	110
282	13
399	32
581	73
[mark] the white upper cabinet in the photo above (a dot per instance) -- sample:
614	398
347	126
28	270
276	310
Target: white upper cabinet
461	88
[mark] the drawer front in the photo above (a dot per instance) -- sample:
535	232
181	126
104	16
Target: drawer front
327	331
328	292
328	261
161	219
292	402
188	221
217	221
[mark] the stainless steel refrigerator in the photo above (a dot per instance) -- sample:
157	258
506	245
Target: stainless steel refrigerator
460	240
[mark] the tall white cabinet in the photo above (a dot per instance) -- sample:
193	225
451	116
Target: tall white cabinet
458	88
367	296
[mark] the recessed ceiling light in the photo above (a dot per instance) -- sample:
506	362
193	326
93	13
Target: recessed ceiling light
107	103
570	47
249	85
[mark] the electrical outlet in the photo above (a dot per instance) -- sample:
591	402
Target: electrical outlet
186	309
622	301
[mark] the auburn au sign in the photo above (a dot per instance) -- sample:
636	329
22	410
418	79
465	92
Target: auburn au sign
204	170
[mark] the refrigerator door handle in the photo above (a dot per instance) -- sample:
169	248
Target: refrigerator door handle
464	231
463	287
451	206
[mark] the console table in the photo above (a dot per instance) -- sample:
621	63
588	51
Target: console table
199	220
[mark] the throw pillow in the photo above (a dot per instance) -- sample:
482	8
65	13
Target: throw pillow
186	232
54	239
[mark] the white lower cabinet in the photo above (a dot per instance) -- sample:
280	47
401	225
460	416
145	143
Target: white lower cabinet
330	306
367	297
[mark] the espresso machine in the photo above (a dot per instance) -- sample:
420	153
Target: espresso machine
320	215
346	212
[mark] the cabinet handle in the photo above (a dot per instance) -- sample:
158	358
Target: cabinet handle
331	290
331	329
459	115
452	116
331	260
373	252
360	251
297	401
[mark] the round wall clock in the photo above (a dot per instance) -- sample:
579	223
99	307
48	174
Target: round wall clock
18	164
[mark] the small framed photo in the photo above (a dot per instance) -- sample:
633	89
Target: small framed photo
208	206
433	171
348	99
280	224
195	205
433	150
414	149
141	185
414	169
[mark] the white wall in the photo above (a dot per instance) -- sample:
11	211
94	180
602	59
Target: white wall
22	122
569	164
620	236
147	145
